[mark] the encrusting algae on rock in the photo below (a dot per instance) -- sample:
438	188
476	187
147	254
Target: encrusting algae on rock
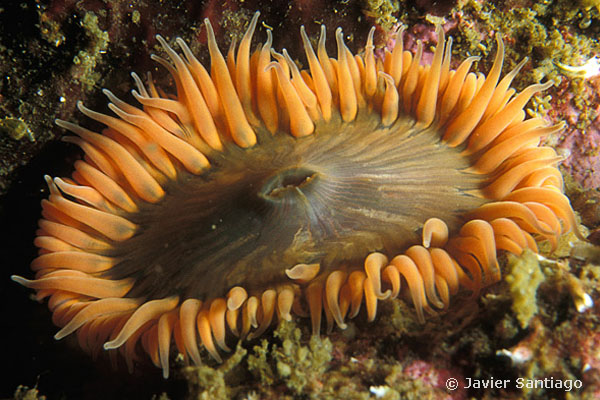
298	365
523	278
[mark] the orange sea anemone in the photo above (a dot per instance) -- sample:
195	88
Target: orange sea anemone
263	190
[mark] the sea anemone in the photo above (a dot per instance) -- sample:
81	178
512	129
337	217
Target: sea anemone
263	190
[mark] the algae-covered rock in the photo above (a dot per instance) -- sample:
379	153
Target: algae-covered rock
523	279
294	363
207	383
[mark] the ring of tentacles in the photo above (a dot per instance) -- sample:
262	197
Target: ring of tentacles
261	190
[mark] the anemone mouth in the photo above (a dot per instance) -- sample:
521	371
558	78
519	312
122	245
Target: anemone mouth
261	190
287	183
329	198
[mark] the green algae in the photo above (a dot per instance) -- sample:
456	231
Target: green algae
297	365
523	279
87	59
382	11
51	30
536	31
16	128
397	318
135	17
206	382
544	32
236	22
259	363
400	387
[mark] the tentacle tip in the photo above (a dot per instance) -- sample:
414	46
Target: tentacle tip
438	304
273	64
109	345
499	40
384	295
18	279
225	348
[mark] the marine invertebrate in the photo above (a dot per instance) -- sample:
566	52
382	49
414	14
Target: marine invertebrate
262	190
